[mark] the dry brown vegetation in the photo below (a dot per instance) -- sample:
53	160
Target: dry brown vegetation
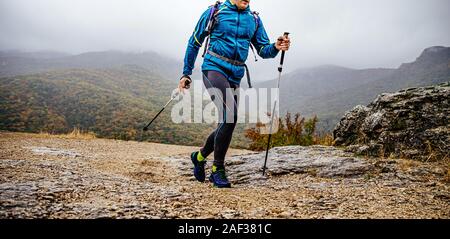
295	130
75	134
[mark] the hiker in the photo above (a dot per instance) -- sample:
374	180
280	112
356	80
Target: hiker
228	43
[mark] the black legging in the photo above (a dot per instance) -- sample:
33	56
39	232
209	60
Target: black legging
219	140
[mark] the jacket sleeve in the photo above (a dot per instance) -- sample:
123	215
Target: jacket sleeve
195	43
262	43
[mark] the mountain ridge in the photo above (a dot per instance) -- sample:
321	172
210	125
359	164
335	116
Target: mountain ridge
30	63
330	91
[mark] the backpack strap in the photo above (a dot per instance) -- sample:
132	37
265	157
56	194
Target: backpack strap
256	17
214	9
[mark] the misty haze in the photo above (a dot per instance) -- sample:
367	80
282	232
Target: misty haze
364	104
355	34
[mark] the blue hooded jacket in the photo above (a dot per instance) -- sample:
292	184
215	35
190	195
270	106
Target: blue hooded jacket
231	37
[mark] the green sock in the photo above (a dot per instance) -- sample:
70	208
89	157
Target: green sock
215	168
200	157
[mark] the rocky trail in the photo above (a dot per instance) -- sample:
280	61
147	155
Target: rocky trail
45	176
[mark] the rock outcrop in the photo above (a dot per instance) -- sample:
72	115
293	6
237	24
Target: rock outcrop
412	123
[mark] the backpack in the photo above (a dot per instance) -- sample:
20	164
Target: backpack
212	20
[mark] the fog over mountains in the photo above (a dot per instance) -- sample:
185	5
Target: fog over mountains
19	63
112	93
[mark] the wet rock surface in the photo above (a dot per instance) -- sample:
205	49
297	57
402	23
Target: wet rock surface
117	179
412	123
318	160
57	152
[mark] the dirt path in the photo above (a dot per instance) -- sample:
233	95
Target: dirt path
51	177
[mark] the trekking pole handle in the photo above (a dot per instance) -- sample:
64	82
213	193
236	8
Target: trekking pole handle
286	34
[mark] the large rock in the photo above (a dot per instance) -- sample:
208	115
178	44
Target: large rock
319	161
412	123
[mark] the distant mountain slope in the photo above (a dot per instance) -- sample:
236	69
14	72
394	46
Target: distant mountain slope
312	82
35	54
13	63
114	103
114	94
329	91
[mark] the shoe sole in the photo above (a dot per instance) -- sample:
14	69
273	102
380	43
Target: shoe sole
215	186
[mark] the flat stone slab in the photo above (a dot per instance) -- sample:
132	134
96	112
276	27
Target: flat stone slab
55	152
320	161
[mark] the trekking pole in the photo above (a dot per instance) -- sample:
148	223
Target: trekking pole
280	69
173	97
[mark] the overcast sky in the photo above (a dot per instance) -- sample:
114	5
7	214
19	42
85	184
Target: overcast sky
351	33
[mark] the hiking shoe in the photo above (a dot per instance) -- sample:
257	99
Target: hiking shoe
219	179
199	167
